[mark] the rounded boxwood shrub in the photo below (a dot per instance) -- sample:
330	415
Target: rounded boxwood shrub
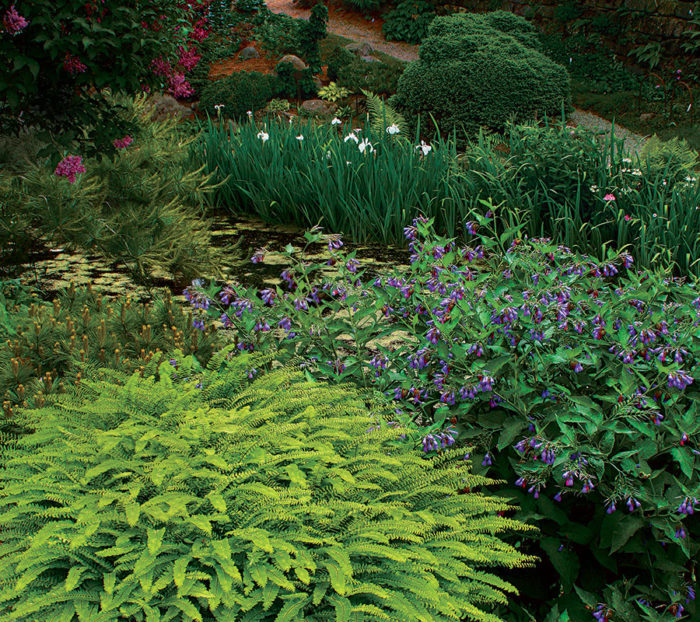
470	74
172	497
239	92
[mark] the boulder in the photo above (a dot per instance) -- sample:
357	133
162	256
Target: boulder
360	48
167	106
248	53
318	107
295	61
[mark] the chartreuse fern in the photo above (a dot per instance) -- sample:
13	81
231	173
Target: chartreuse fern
268	500
382	115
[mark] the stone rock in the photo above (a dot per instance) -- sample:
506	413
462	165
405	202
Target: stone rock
317	107
645	116
370	59
360	48
167	106
295	61
248	53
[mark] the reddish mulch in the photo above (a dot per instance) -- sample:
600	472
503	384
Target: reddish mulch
226	67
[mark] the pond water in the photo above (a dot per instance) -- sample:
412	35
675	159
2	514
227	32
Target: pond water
52	269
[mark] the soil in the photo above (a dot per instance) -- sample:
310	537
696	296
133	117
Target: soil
264	64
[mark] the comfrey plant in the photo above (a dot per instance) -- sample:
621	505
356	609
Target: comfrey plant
573	379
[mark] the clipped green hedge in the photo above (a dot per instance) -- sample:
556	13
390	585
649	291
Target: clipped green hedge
472	74
205	496
239	92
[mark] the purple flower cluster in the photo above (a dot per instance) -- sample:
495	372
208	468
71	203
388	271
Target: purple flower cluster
122	143
72	64
439	440
69	167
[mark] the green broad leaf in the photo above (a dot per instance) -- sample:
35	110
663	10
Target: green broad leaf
586	597
565	562
624	529
685	459
179	570
155	539
187	608
73	578
511	429
133	510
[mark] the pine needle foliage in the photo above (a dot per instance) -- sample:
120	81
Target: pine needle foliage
142	205
265	500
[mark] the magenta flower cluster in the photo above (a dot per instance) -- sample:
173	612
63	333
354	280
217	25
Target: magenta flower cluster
13	22
72	64
69	167
122	143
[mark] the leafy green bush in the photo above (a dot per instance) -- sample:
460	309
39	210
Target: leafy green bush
574	380
294	83
673	160
409	21
51	345
238	93
142	206
311	33
237	500
453	80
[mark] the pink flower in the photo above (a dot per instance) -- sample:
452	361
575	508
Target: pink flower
73	65
609	197
187	58
69	167
161	67
122	143
13	22
179	87
627	217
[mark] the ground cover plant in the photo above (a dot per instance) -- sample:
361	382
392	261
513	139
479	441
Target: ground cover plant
142	206
222	498
573	379
48	346
451	80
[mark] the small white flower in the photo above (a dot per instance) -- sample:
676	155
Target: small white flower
250	113
663	182
691	180
426	149
571	60
654	214
347	162
364	145
594	189
300	137
352	136
393	129
263	136
219	106
637	172
328	155
626	161
336	121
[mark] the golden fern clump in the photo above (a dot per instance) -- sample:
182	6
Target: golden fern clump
272	499
382	115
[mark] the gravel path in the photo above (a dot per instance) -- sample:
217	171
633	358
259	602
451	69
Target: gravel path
357	28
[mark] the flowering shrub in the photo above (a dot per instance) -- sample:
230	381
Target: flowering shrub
78	46
69	167
574	380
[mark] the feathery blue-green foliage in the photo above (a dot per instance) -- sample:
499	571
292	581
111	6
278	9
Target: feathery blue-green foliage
281	499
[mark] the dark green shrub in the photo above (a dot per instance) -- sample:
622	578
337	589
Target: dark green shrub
50	345
409	21
378	77
280	34
217	498
240	92
292	83
337	59
311	33
470	75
